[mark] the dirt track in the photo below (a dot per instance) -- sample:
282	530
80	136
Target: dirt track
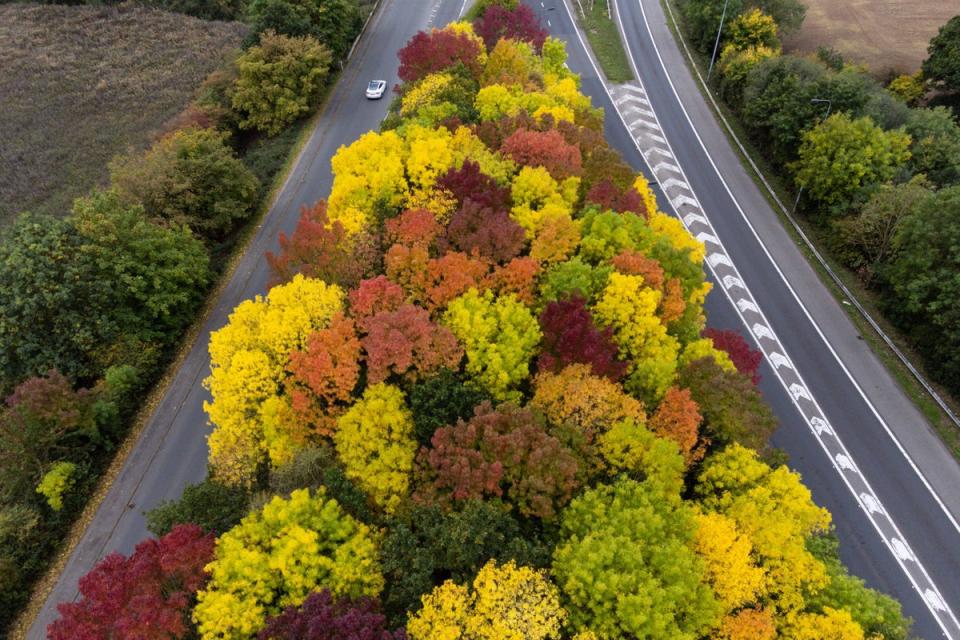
884	34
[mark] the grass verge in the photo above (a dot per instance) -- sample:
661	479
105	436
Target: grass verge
604	39
941	423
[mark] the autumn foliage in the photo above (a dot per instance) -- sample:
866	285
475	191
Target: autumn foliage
148	595
518	405
435	51
746	359
518	23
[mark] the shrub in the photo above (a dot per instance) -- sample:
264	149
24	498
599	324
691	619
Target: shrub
545	149
935	144
277	556
279	81
147	595
189	177
56	482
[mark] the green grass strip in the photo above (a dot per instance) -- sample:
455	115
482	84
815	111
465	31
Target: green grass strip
604	39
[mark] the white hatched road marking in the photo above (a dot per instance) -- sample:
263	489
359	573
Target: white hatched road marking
810	409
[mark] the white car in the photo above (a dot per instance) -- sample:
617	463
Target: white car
375	89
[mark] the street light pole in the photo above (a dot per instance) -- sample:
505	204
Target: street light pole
713	58
825	116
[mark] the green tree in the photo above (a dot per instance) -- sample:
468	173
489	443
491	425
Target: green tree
925	281
425	543
702	17
625	553
943	56
159	272
209	505
334	23
777	99
56	310
865	240
189	177
935	147
841	156
732	408
279	81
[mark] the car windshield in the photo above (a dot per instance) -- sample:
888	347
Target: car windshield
374	85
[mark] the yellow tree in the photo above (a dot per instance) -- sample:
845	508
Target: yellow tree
375	442
776	512
505	602
248	359
630	309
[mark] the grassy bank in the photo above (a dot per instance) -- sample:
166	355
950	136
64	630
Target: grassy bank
604	39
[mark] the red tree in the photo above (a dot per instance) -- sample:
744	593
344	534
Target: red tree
406	343
324	374
490	233
373	296
470	182
635	263
146	596
746	360
437	50
413	227
678	418
321	617
609	196
519	23
502	451
544	148
317	249
570	336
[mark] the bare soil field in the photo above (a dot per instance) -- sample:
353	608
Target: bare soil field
883	34
80	84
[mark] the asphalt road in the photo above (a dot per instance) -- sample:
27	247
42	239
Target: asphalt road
907	499
172	451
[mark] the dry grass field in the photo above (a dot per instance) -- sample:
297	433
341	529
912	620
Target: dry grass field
883	34
79	84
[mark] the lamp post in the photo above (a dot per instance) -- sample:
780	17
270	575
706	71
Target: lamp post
825	116
716	44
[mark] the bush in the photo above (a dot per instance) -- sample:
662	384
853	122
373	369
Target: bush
279	81
440	401
935	145
190	177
